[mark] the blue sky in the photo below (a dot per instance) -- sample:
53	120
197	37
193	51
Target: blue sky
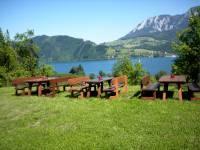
95	20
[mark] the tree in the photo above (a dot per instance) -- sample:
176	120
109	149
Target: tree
101	73
46	70
188	48
92	76
77	70
138	73
27	51
8	59
160	74
124	66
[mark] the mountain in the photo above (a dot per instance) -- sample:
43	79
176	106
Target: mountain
155	34
151	37
66	48
162	27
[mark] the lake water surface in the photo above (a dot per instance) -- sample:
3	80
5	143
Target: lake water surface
152	65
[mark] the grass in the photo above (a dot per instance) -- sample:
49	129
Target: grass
124	123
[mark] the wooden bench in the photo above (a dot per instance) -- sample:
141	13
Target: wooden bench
113	90
54	85
78	86
21	85
148	88
193	88
122	83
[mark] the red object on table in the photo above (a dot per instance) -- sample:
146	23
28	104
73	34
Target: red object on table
172	76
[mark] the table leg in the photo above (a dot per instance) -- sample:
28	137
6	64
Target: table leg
39	89
109	83
101	84
165	91
89	90
180	92
99	90
29	89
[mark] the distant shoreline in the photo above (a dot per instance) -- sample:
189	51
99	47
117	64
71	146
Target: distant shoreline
102	59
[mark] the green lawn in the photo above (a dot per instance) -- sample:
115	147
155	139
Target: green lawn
124	123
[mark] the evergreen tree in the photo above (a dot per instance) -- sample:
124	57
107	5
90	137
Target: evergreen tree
188	48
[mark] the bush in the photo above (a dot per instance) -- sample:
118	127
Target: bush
160	74
92	76
77	70
124	66
101	73
46	70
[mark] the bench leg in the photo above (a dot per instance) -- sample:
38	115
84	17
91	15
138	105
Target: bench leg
180	92
16	92
72	93
81	95
165	91
154	94
23	92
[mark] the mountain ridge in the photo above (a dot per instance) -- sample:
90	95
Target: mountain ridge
152	36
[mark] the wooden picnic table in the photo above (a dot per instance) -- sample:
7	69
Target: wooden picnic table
39	82
173	79
99	84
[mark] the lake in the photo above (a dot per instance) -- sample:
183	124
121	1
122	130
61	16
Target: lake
150	64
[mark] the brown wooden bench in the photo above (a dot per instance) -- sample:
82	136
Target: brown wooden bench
148	88
113	90
122	83
54	85
193	88
21	85
78	86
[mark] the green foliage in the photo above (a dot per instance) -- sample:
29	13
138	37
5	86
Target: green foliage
27	51
160	74
79	70
17	58
188	49
65	48
46	70
124	66
92	76
138	73
102	73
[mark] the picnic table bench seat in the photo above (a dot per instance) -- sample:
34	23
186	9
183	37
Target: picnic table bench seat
193	88
78	86
122	83
149	88
113	90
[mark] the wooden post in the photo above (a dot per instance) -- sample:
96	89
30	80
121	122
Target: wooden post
180	92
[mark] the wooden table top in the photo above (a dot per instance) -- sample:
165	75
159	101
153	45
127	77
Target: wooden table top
173	79
42	79
99	81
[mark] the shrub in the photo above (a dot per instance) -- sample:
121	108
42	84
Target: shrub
160	74
46	70
92	75
77	70
124	66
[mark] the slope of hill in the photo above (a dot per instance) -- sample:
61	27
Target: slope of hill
65	48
